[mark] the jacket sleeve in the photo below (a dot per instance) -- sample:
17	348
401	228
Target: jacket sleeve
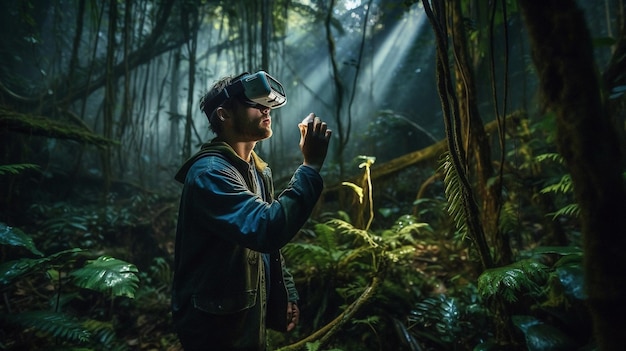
290	285
224	205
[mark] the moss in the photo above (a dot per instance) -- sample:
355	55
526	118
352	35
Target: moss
38	125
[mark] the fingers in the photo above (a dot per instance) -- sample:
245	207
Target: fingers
293	316
310	117
317	127
314	141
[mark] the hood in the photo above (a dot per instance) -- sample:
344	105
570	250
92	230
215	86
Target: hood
220	148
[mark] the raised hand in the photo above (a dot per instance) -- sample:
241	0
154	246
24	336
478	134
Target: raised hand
314	139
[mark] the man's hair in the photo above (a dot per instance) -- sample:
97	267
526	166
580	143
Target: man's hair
217	88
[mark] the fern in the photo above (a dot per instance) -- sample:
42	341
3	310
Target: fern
325	236
57	325
102	332
396	255
441	315
551	156
311	255
571	210
108	274
343	227
454	194
16	168
404	230
509	281
564	186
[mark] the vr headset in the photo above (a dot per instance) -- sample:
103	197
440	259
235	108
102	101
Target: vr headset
257	88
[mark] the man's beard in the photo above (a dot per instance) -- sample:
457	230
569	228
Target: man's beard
252	131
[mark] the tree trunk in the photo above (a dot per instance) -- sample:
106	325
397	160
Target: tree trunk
191	22
563	55
76	44
109	96
454	139
339	90
476	142
174	116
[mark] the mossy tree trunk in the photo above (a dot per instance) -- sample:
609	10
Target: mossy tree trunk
586	138
476	142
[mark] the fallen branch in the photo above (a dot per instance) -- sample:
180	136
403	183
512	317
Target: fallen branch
326	332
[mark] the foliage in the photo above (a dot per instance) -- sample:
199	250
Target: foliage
16	237
17	168
55	324
562	187
450	322
509	281
104	274
338	259
453	191
556	292
108	274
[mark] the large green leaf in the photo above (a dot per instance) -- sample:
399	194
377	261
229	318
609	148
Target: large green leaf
108	274
541	336
16	237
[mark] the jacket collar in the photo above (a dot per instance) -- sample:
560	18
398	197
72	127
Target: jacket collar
217	147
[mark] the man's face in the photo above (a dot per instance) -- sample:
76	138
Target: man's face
252	123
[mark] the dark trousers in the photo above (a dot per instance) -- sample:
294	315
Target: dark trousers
201	331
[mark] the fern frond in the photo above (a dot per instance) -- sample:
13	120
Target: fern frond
55	324
16	237
309	254
509	217
108	274
343	227
17	168
564	186
509	280
325	236
551	156
453	193
102	332
404	231
408	231
442	314
161	271
313	346
571	210
400	253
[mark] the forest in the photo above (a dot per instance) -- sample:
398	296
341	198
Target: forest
473	190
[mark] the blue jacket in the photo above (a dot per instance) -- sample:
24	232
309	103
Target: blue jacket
228	221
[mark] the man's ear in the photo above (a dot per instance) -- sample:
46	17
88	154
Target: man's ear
222	114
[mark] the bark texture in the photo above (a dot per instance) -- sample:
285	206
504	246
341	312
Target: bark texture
571	89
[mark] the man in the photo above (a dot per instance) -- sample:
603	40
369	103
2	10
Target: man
230	282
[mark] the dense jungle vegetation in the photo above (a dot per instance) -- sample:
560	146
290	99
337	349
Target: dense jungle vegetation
474	197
